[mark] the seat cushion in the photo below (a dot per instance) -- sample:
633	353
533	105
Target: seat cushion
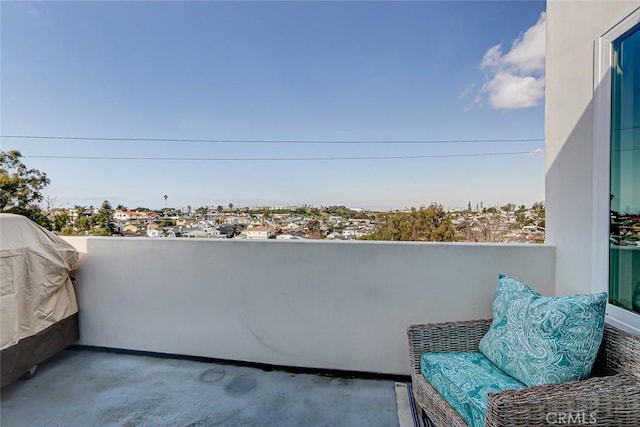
543	340
464	380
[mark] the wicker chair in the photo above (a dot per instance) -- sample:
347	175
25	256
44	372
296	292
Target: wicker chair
610	397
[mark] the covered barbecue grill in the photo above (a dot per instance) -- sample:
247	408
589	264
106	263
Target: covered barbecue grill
38	307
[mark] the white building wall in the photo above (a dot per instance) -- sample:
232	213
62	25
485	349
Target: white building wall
318	304
573	29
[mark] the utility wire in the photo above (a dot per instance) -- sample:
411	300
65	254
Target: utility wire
277	159
274	141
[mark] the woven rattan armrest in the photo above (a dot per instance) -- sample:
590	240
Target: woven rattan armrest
444	337
601	401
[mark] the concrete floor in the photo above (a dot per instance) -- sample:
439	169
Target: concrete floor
88	388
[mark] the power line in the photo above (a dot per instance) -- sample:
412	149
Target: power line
274	141
278	159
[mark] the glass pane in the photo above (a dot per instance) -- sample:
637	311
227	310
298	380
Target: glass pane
624	261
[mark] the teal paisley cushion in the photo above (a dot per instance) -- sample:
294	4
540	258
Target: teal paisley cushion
543	340
464	380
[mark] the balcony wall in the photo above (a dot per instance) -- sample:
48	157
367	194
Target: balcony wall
577	159
317	304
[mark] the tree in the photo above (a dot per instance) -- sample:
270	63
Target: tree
478	230
230	206
20	188
79	211
60	221
539	210
50	204
521	215
432	224
314	229
104	215
103	219
84	223
121	207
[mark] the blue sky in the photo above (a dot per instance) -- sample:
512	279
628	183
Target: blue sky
322	71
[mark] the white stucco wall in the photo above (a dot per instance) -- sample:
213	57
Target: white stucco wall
573	28
330	305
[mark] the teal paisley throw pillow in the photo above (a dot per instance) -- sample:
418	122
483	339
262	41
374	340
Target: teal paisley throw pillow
543	340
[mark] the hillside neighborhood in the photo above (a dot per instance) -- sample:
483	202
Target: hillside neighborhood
507	223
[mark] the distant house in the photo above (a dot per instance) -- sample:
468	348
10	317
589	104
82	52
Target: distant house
227	230
125	215
147	216
164	232
213	232
239	220
134	229
259	232
194	233
286	236
185	221
74	214
206	224
349	233
121	215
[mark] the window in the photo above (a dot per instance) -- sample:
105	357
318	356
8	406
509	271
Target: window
616	184
624	224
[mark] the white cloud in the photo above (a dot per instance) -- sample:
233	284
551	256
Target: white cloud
467	91
538	152
509	91
493	57
516	78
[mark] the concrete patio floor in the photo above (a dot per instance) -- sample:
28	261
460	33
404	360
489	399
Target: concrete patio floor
91	388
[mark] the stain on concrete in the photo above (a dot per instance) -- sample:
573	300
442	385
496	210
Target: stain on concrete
205	422
344	381
132	412
234	418
240	385
113	415
322	379
212	375
101	383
